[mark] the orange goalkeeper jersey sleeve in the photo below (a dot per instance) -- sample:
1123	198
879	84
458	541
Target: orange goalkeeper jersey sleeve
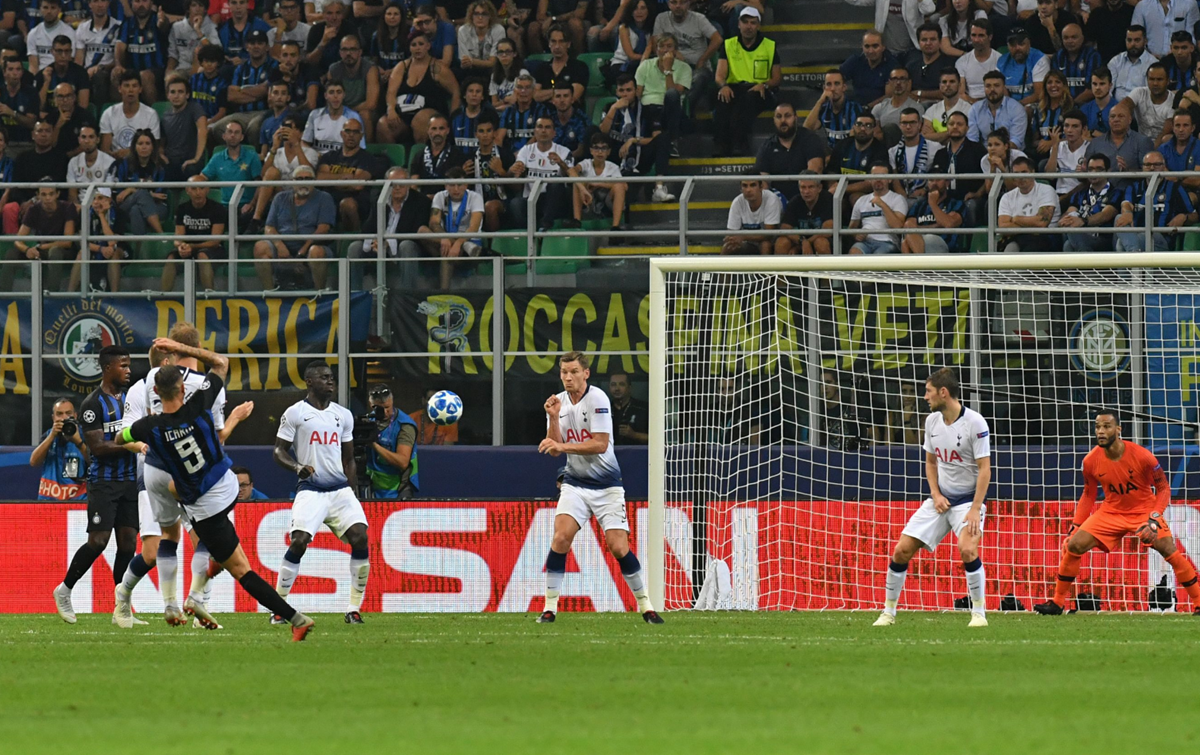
1131	483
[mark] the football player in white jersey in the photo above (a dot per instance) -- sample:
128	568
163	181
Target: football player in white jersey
160	520
579	424
321	433
958	465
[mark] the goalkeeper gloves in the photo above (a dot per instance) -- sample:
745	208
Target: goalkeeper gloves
1148	532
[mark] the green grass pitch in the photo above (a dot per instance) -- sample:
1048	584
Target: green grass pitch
703	683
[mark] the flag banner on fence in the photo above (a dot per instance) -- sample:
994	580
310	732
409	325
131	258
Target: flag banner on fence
474	556
76	330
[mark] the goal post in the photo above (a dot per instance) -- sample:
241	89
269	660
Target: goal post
762	496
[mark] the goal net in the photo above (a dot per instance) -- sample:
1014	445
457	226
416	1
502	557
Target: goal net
787	419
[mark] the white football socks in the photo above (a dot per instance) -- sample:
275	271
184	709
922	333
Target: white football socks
554	580
975	588
359	570
168	574
200	575
893	586
637	586
287	576
199	583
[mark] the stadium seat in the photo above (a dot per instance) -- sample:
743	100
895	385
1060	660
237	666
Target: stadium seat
596	63
396	153
562	246
600	108
509	247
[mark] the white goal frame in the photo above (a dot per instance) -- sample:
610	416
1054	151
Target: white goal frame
656	536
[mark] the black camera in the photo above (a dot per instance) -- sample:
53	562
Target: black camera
366	432
69	427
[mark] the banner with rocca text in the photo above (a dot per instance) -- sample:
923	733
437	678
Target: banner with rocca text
473	556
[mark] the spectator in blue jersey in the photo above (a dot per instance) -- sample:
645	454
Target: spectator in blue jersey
443	40
63	457
64	70
302	88
464	120
302	211
1181	150
747	78
867	72
1097	109
388	44
810	210
937	210
1190	97
278	108
1093	205
1170	208
1077	60
913	155
236	162
1024	68
19	105
1181	63
105	248
142	47
246	490
1047	114
997	111
142	209
490	160
572	126
187	36
236	30
517	122
360	82
856	155
392	463
834	111
248	89
209	88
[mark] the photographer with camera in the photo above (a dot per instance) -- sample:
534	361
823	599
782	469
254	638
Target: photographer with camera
392	452
63	457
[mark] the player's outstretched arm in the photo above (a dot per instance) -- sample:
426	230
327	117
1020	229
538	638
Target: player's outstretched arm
240	412
217	364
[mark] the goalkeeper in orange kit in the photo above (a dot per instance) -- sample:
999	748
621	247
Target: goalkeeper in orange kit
1135	495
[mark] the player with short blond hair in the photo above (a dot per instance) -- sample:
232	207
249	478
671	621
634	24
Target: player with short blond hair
1136	493
579	424
958	466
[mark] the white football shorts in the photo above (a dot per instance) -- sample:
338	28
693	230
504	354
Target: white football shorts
166	510
930	527
338	509
157	507
607	505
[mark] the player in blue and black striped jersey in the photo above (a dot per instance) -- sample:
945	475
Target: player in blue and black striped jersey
142	47
185	458
112	478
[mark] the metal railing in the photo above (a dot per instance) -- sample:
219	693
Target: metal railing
683	233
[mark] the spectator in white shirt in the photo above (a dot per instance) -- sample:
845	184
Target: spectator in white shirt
605	195
187	35
542	158
981	59
40	42
120	122
1029	205
1067	150
756	208
1129	68
1153	104
457	209
881	210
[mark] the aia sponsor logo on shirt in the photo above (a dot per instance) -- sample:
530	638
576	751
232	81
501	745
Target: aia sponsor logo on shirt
326	438
948	456
578	436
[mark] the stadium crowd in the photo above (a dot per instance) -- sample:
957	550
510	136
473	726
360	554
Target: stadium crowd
139	92
1004	87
